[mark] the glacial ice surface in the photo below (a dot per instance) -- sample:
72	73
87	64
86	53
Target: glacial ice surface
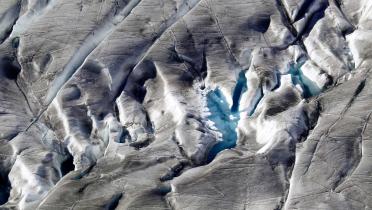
309	87
185	104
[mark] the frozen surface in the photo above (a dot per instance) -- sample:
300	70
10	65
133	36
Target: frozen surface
185	104
309	87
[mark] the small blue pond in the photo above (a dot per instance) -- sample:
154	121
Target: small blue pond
225	118
240	88
309	87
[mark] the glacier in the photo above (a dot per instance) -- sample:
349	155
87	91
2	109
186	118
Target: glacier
185	104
